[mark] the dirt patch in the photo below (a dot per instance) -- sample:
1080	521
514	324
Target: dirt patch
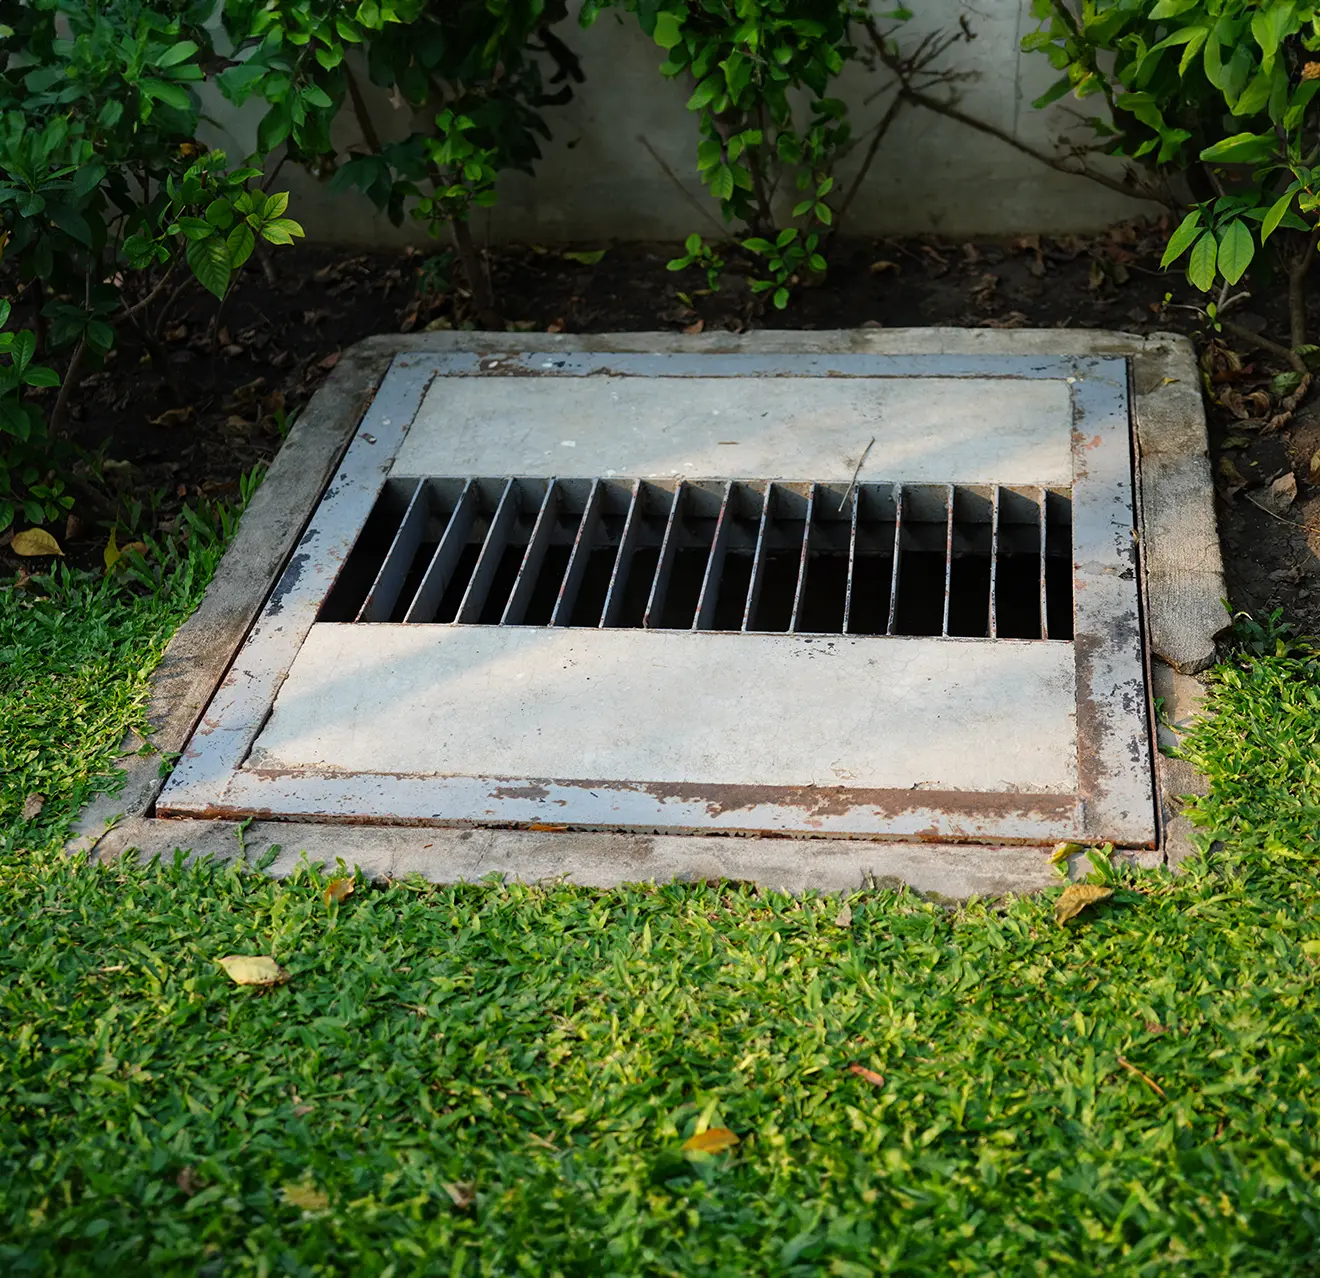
218	397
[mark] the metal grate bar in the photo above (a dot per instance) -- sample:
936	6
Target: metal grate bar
719	549
804	560
632	525
384	592
948	558
529	571
1044	599
440	570
852	559
580	557
898	560
655	605
759	555
994	560
492	551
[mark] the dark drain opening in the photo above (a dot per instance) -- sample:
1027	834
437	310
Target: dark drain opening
882	559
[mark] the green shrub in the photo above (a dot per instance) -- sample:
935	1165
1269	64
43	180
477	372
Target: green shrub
1219	94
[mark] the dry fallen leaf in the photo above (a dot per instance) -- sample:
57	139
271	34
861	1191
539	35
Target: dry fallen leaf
1141	1074
251	969
1282	493
307	1197
557	326
1076	897
1313	473
1234	480
32	806
844	917
338	889
1062	851
694	328
187	1181
329	361
172	417
713	1140
462	1192
35	541
869	1074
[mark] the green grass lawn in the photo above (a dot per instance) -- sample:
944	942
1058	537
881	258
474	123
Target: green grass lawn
500	1080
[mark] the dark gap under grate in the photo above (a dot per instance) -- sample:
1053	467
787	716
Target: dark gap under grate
955	560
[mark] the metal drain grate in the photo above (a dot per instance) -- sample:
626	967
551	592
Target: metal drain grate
953	560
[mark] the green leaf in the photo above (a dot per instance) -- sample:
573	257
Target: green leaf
209	261
1183	238
220	214
1270	24
1241	148
1236	249
587	259
668	30
87	179
1053	93
1201	265
780	298
281	231
163	91
71	222
5	308
25	346
275	205
40	375
240	244
195	228
706	92
1275	215
316	96
721	182
175	54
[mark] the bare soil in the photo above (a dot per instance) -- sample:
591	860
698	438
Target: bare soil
185	426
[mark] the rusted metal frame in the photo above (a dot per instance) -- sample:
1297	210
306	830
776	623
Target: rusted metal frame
492	551
994	559
384	592
529	571
655	604
620	364
804	558
439	572
719	549
580	557
1114	763
896	570
623	560
602	804
758	556
234	716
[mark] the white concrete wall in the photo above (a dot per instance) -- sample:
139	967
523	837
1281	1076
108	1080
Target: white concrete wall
598	182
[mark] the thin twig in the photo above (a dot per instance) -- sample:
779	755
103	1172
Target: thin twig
1292	523
1145	1078
364	121
142	305
861	461
687	195
1295	361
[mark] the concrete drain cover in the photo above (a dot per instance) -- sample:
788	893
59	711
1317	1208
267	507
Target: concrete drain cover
883	596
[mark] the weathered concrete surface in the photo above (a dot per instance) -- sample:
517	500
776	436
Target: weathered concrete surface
1184	574
606	860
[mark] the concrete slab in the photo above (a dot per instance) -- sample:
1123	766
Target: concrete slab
1183	578
781	428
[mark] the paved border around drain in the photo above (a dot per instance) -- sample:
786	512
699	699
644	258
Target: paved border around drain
1184	587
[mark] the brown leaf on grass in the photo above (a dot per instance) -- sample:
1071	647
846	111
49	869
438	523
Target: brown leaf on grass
1311	71
1313	471
188	1181
462	1193
32	806
252	969
844	917
1076	897
877	1080
713	1140
35	541
306	1197
338	889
